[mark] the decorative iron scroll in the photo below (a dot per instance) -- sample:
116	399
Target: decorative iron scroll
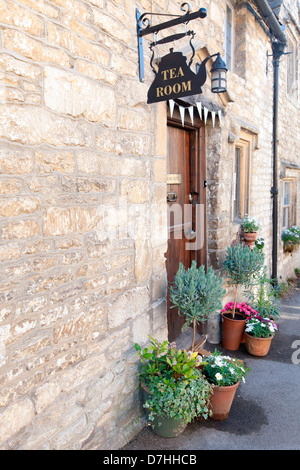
144	27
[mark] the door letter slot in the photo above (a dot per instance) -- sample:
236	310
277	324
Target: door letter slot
171	197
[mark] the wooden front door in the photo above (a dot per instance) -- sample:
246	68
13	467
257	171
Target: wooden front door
186	206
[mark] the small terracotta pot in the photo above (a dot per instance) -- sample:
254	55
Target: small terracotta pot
232	330
250	238
221	401
257	346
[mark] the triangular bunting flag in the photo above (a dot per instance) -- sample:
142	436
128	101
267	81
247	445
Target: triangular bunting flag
199	107
182	112
205	114
191	111
220	116
213	115
172	104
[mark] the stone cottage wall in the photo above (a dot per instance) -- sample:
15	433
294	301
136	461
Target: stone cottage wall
82	163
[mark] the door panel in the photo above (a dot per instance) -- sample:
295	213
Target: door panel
184	190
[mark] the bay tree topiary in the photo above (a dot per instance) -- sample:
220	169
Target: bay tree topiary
241	264
196	294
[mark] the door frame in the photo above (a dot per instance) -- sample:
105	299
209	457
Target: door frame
197	167
197	180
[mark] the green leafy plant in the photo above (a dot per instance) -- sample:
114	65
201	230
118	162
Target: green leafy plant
260	243
263	296
224	370
250	224
196	294
241	264
174	383
162	359
297	271
291	235
260	327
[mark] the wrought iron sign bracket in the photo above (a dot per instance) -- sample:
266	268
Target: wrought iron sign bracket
144	27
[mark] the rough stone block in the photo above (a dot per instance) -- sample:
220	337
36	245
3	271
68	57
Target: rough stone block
68	93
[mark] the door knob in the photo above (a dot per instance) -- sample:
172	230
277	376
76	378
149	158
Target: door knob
171	197
192	198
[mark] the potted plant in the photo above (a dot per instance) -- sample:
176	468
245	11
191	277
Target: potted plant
263	296
196	294
291	238
259	333
250	226
175	391
225	374
241	264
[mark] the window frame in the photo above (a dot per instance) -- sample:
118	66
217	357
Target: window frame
292	205
292	69
230	66
244	145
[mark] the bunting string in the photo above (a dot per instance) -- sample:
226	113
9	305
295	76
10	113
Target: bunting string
201	110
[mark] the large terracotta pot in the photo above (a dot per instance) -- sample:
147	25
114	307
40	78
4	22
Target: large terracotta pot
221	401
232	330
257	346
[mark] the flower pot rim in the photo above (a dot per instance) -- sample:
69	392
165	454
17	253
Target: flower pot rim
225	387
235	319
258	337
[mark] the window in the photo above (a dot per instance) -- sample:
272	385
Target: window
292	82
229	37
241	178
288	204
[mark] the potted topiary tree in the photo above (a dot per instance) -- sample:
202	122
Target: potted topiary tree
241	264
196	294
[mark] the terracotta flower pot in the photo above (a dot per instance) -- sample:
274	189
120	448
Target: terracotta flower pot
232	330
221	401
250	238
257	346
290	247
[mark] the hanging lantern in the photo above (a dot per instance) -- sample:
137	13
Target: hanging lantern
218	75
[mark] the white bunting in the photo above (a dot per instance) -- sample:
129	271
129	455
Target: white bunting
199	107
172	104
182	112
205	114
191	111
213	115
220	116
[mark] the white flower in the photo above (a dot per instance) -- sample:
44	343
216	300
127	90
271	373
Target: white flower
219	376
219	361
243	379
231	370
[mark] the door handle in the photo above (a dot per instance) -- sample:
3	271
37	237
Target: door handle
192	197
171	197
